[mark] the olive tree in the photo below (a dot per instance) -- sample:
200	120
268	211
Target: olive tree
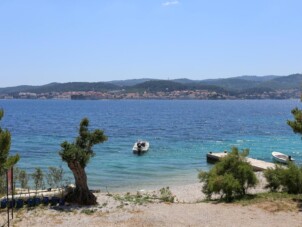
77	155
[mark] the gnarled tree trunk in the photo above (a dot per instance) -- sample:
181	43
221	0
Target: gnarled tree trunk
81	194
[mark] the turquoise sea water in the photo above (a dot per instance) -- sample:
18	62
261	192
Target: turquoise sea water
180	134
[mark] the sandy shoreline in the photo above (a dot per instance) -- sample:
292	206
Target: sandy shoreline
186	211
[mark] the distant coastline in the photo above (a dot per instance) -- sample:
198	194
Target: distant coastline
244	87
176	95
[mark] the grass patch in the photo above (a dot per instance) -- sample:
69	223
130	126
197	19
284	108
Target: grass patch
88	211
137	198
269	201
165	195
103	205
274	201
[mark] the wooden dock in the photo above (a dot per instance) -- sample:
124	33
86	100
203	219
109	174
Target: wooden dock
258	165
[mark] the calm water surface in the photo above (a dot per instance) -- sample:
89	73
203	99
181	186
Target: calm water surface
180	134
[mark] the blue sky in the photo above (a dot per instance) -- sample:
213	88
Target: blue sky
71	40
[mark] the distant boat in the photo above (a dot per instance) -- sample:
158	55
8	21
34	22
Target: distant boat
140	147
282	158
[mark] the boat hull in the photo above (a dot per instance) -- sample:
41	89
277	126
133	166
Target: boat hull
281	158
140	147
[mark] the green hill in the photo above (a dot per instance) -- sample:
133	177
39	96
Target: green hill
293	81
234	85
127	83
61	87
160	85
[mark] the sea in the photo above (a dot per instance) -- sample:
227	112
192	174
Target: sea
180	132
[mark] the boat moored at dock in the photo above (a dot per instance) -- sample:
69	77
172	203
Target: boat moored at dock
258	165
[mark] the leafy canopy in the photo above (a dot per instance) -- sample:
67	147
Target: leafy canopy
81	150
6	161
286	179
38	177
296	124
230	177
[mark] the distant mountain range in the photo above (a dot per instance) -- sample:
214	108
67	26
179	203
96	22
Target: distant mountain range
239	84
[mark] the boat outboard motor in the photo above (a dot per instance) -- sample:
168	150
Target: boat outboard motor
290	158
139	148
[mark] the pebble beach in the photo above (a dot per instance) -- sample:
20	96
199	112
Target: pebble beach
188	209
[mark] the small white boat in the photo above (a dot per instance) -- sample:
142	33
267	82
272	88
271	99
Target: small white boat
280	157
140	147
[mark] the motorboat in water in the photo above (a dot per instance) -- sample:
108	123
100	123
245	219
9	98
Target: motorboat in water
140	147
282	158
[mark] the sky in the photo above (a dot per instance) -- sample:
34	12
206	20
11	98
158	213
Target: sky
103	40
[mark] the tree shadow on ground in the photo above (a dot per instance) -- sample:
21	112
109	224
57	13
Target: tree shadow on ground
71	207
299	204
247	197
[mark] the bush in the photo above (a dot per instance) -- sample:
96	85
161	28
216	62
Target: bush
54	177
166	195
274	178
230	177
287	179
38	178
23	178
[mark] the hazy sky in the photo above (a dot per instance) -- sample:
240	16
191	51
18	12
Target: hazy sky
47	41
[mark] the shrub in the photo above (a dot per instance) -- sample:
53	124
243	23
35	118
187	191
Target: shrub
23	178
274	178
137	198
54	177
38	178
166	195
230	177
88	211
288	179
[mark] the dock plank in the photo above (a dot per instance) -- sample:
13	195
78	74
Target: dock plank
258	165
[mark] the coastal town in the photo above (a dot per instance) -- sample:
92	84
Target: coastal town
178	94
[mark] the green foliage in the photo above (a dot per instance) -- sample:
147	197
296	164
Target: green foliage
23	178
54	177
77	155
230	177
288	179
137	198
274	178
38	177
293	179
160	85
273	201
88	211
81	150
16	172
296	124
6	161
166	195
5	143
2	183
